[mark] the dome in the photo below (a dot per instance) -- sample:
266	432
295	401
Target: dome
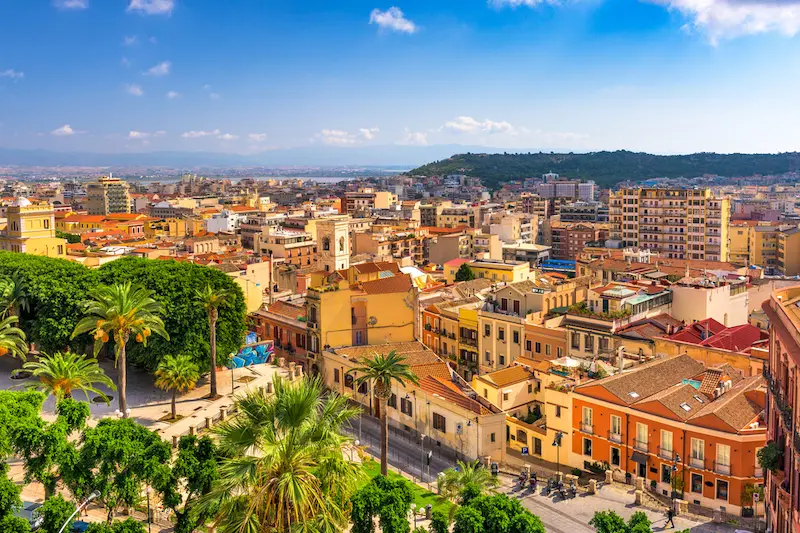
21	202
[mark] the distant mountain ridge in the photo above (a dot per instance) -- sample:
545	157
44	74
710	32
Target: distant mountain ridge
609	168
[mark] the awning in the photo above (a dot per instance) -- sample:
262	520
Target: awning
639	457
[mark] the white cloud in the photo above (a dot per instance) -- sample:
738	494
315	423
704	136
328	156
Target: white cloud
130	40
344	138
135	90
215	96
172	95
470	125
392	19
368	133
162	69
71	4
138	135
159	133
726	19
198	134
13	74
63	131
413	138
257	137
228	137
152	7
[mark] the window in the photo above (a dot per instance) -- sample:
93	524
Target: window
516	306
528	345
502	359
487	330
589	340
362	389
348	381
359	338
501	334
587	447
576	341
522	436
537	446
547	349
392	401
492	438
666	473
698	456
439	422
336	375
560	351
485	393
722	490
586	416
666	443
530	388
505	396
504	304
616	425
312	315
616	458
641	436
405	406
538	347
516	337
488	356
558	411
723	459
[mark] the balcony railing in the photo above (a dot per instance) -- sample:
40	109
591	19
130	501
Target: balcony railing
666	453
723	469
641	445
468	341
696	462
759	472
587	428
615	437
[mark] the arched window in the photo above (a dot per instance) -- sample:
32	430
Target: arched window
341	244
326	243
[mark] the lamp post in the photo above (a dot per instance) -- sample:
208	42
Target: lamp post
557	444
421	456
675	461
81	507
414	512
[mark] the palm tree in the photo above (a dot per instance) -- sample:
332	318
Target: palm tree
211	300
283	468
178	374
382	370
472	474
12	339
13	296
62	373
119	312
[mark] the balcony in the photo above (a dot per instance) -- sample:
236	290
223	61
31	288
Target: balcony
469	342
641	445
587	428
666	453
615	437
697	462
722	469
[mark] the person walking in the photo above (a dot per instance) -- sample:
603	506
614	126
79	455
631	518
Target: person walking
670	516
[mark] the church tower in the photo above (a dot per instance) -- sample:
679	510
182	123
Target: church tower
333	245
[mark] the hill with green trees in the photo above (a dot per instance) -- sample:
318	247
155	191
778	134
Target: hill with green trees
608	168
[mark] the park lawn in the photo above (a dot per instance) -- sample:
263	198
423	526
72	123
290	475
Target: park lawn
422	496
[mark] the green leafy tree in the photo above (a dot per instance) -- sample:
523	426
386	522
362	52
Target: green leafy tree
120	312
64	372
499	514
71	238
527	523
55	511
12	339
13	296
175	284
467	520
389	499
55	290
283	466
382	371
611	522
770	457
17	409
178	374
129	525
9	503
465	273
454	480
211	300
118	458
193	473
440	521
46	448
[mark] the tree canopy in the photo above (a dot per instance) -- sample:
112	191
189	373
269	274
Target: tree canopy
608	168
465	273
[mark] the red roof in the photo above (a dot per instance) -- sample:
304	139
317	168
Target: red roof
711	333
458	261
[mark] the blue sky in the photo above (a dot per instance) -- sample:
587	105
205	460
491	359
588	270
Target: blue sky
665	76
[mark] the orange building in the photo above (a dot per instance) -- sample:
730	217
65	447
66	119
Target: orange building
285	323
679	426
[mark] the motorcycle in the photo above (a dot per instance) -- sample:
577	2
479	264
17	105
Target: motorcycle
573	489
523	478
532	483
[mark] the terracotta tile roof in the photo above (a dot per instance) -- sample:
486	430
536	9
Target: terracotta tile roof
507	376
371	268
403	348
695	333
710	381
675	397
440	387
535	364
736	407
735	339
394	284
287	310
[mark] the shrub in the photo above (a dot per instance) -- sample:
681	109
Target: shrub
770	456
440	522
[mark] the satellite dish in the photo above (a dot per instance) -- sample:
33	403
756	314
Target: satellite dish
372	321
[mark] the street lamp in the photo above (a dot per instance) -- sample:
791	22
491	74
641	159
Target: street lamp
675	461
421	456
414	512
356	444
557	444
92	496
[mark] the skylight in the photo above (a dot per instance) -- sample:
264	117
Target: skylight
633	394
697	398
686	407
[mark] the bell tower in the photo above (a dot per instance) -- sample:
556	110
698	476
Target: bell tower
333	245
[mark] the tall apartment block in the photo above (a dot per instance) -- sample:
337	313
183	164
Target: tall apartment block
108	195
677	223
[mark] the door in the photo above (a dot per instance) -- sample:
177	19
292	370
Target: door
641	470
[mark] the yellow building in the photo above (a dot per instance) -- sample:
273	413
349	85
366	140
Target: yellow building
739	236
788	261
108	195
496	270
31	229
366	313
